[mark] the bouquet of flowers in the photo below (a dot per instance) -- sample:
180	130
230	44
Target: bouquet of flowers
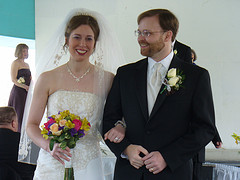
173	81
66	129
21	80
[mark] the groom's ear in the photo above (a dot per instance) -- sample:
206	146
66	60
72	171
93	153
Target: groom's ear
168	35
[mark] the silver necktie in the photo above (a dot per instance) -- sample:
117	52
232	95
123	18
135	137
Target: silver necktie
156	76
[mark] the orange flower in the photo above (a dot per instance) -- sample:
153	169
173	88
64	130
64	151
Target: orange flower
54	127
62	122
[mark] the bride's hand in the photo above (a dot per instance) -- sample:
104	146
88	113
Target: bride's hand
115	134
60	154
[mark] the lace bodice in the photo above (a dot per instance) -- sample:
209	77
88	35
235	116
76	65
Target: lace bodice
83	104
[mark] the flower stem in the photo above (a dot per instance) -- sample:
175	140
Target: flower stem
69	174
163	89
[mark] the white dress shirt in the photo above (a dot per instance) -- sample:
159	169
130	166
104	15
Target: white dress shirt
152	92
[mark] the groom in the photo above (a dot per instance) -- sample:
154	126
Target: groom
165	127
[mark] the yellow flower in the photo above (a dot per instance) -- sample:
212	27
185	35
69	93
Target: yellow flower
73	116
85	125
69	124
65	113
44	131
236	137
58	117
45	136
21	80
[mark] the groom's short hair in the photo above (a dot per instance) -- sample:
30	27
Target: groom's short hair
167	20
7	115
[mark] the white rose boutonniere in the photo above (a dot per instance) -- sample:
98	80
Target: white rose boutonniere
172	73
173	81
21	80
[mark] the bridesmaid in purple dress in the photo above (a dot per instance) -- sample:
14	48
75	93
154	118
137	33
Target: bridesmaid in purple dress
21	77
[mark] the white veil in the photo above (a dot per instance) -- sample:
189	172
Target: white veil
107	56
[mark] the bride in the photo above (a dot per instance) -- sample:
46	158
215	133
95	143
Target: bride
79	85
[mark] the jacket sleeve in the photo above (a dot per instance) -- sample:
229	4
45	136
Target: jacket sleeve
113	113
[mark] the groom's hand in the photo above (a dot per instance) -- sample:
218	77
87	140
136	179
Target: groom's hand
154	162
133	153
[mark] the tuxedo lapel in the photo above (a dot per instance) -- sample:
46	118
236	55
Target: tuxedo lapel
176	63
141	87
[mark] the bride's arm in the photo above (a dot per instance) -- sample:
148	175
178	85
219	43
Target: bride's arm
39	101
40	98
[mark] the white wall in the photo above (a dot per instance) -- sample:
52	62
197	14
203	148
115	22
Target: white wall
210	27
7	50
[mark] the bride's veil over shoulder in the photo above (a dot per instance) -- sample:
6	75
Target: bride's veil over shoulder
107	56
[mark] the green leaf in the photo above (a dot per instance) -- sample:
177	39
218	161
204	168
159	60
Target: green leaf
71	143
68	135
76	138
61	138
68	118
51	144
63	144
65	129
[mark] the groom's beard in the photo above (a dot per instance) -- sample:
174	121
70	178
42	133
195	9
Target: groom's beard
152	48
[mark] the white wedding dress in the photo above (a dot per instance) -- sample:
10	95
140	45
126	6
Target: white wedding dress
88	160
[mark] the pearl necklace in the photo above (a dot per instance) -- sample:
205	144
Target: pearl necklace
77	78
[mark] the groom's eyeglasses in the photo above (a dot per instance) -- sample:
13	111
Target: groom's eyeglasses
146	33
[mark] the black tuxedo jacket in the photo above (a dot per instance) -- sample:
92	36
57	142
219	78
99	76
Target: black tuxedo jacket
9	154
200	156
183	51
178	127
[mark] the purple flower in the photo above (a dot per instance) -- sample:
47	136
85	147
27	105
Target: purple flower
73	132
60	128
81	133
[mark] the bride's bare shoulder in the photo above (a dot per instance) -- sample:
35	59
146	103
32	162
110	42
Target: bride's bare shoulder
52	75
108	74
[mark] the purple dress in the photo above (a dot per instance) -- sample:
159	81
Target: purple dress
18	95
